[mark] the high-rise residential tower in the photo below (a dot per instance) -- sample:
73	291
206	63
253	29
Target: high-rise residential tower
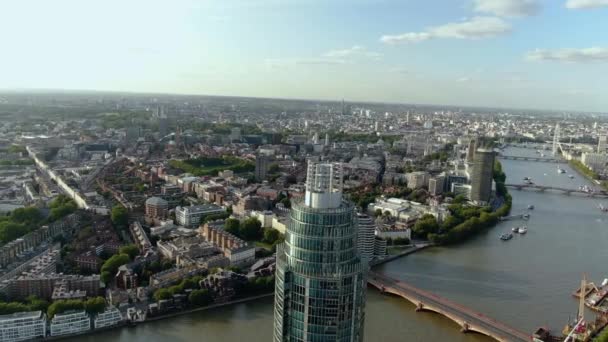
471	150
481	177
320	277
261	167
366	236
602	143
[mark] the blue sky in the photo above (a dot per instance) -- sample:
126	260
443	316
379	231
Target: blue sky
507	53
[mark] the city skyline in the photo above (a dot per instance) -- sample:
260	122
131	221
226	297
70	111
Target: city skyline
489	53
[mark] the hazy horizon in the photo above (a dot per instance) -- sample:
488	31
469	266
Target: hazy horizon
514	54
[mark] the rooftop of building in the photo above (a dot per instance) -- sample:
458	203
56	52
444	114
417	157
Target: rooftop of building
156	201
21	315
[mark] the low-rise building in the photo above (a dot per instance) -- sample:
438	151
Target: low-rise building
111	316
190	217
22	326
406	211
393	232
42	285
417	180
62	291
70	322
157	207
238	251
186	247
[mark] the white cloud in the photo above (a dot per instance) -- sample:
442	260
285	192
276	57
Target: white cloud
409	37
508	8
474	28
594	54
464	79
586	4
354	51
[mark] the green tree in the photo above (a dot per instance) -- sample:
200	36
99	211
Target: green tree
271	235
110	266
161	294
120	216
286	202
61	206
200	298
459	199
251	229
213	217
176	289
60	306
131	250
425	225
232	226
95	305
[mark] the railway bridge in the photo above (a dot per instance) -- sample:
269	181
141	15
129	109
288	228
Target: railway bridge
566	191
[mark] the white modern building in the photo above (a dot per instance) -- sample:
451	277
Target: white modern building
190	217
417	180
595	161
242	255
22	326
70	322
404	210
111	316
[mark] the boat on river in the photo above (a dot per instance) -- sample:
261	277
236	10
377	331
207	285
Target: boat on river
522	230
560	170
531	207
506	236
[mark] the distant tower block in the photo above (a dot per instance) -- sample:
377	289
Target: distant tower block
556	138
602	143
471	150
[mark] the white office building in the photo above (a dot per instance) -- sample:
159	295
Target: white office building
22	326
240	255
111	316
70	322
595	161
190	217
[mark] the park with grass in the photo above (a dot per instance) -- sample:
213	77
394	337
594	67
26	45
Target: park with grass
210	166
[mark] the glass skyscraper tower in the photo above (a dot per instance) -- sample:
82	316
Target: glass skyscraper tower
320	277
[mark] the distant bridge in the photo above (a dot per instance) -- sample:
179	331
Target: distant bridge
468	319
542	188
532	146
535	159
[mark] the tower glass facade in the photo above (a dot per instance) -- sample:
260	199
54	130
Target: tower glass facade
481	178
320	277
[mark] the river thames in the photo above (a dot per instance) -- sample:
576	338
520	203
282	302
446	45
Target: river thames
525	282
